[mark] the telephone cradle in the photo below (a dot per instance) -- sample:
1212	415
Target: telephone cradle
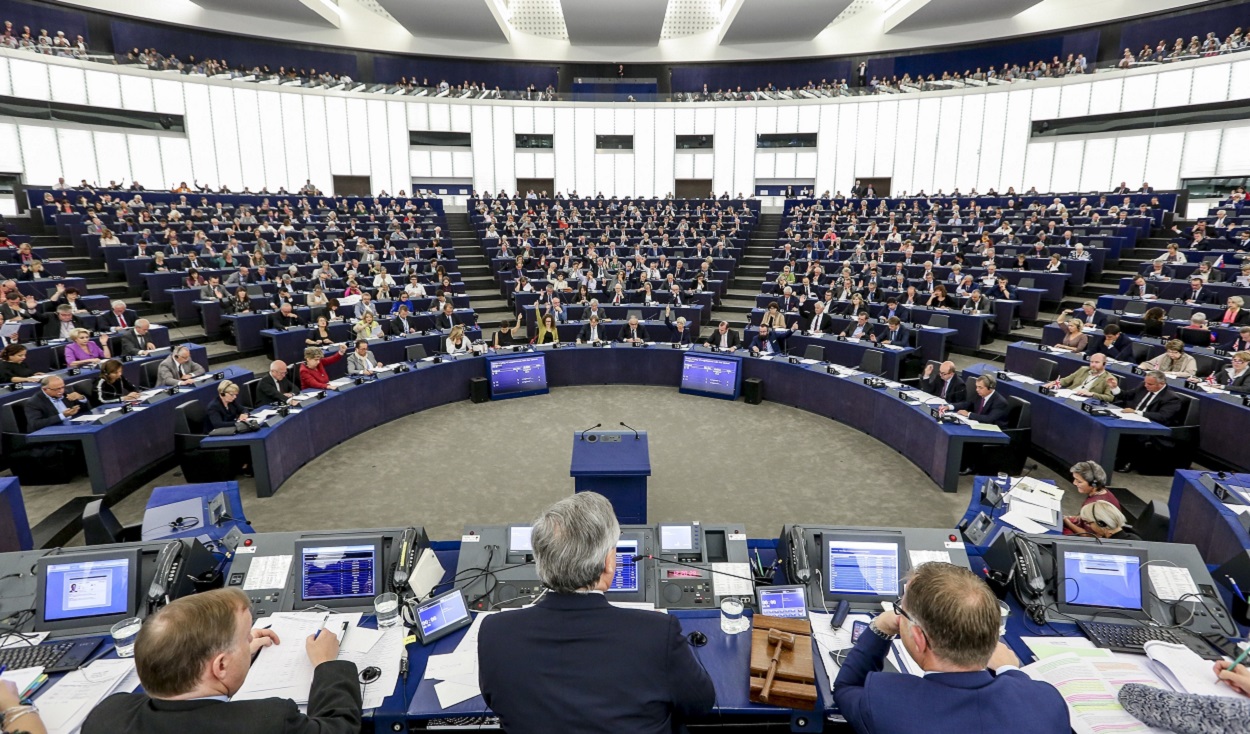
782	672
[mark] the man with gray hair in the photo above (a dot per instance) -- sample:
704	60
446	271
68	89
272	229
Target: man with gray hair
178	369
118	318
574	662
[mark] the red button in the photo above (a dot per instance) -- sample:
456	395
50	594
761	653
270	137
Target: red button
247	541
952	537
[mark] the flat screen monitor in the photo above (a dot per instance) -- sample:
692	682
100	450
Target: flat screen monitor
519	539
339	572
90	589
864	567
515	376
677	538
626	578
711	376
442	615
1093	578
783	601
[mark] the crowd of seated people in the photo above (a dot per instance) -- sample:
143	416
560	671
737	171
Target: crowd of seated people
153	59
1182	51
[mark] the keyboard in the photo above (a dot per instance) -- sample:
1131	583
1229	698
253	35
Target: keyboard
1132	638
55	657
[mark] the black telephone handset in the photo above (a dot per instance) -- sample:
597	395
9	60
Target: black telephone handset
168	565
800	570
1028	582
405	559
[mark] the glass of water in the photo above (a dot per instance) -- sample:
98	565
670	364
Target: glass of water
386	609
1004	481
732	620
124	634
1004	612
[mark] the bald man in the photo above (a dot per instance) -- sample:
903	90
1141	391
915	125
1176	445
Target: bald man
136	342
276	387
944	383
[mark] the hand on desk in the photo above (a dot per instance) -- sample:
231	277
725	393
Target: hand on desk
322	647
261	638
963	412
1238	677
1003	656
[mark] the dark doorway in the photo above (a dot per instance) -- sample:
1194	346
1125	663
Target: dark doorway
694	188
537	185
352	186
880	186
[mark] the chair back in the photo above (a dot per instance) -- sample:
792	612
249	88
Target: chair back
814	351
1045	370
189	419
1180	313
1132	328
149	372
1195	337
99	524
415	353
249	393
873	362
1135	308
1154	523
1026	283
1021	415
13	417
1141	352
940	321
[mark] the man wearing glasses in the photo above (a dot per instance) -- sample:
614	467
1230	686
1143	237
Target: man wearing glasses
947	620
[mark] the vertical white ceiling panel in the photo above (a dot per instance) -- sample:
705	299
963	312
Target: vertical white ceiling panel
379	146
805	165
1015	140
624	184
623	121
1104	97
644	152
926	144
460	119
1139	92
316	136
565	150
1096	166
41	161
145	161
809	118
30	79
1210	84
175	158
358	140
866	145
1173	87
297	170
788	120
78	156
68	84
269	132
502	146
440	117
225	135
544	120
683	165
887	124
1239	86
523	120
340	141
993	127
104	89
724	143
250	125
11	150
848	126
418	116
1039	163
827	147
1130	160
665	142
167	96
605	171
1074	100
765	165
1202	149
903	178
946	146
137	93
1163	161
1066	175
1046	103
1234	157
200	134
113	160
968	165
742	180
525	165
583	140
440	164
766	120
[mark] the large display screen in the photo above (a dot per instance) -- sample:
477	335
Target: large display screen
711	376
1105	580
863	567
626	578
87	589
338	571
517	376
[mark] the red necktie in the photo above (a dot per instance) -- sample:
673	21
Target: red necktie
121	320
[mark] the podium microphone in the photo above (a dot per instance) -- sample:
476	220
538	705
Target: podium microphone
635	430
583	437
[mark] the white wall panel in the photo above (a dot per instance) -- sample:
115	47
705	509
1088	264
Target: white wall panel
784	166
10	149
78	156
358	138
502	146
544	120
1015	141
1104	97
167	96
69	85
848	127
766	120
420	164
723	142
904	151
523	120
946	145
318	140
887	124
41	161
704	166
104	89
545	166
490	153
30	79
1130	160
926	144
379	145
565	150
1074	100
827	148
969	163
765	165
788	120
460	119
525	165
418	116
145	160
742	180
809	119
296	172
462	164
990	164
623	121
1039	160
704	121
6	83
804	165
683	165
440	164
1046	102
200	134
1173	88
1066	175
645	152
250	125
866	142
664	150
272	146
1163	161
175	159
113	160
440	117
1234	152
1210	84
605	171
624	183
225	136
137	93
397	128
336	126
605	121
1239	87
583	140
1139	92
1096	167
1202	148
683	121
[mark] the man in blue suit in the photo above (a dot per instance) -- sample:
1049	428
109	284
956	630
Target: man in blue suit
574	663
764	342
988	406
948	622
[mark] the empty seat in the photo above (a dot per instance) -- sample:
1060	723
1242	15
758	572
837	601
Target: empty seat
873	362
101	527
1045	370
814	351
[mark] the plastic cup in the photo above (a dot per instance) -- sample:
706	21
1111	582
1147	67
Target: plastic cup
124	634
1004	612
386	609
732	620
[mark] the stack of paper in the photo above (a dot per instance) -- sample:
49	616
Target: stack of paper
66	704
830	640
1021	522
284	670
456	671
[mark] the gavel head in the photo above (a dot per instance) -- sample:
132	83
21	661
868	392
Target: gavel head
783	640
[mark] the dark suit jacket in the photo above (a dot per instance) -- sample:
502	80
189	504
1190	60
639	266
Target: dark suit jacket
955	393
687	335
109	320
270	391
1165	408
584	334
333	708
278	321
1238	385
395	325
41	413
1205	295
897	337
1121	348
1100	318
758	344
443	321
713	338
129	344
968	703
625	332
52	325
997	409
825	325
574	663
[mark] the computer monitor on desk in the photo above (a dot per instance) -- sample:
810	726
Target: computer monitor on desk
87	590
1101	579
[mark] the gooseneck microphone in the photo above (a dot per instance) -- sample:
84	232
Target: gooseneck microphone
588	430
637	437
707	567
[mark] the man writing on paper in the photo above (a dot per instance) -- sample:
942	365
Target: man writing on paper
947	620
573	662
194	654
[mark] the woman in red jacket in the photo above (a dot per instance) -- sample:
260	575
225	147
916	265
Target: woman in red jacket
312	374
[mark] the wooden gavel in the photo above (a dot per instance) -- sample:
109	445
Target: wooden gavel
778	641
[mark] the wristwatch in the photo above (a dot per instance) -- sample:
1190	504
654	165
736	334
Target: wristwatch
873	626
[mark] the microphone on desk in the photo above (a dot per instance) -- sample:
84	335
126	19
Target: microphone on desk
708	567
1028	469
635	430
583	436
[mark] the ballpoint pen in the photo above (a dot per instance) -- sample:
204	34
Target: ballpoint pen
1237	660
1236	588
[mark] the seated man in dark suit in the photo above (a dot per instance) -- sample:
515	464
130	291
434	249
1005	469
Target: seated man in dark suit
945	383
818	322
948	621
276	387
59	323
135	342
988	406
764	342
194	654
1200	294
722	337
1113	345
895	333
572	662
592	332
633	332
1158	402
447	318
401	323
52	406
1089	314
285	318
118	318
